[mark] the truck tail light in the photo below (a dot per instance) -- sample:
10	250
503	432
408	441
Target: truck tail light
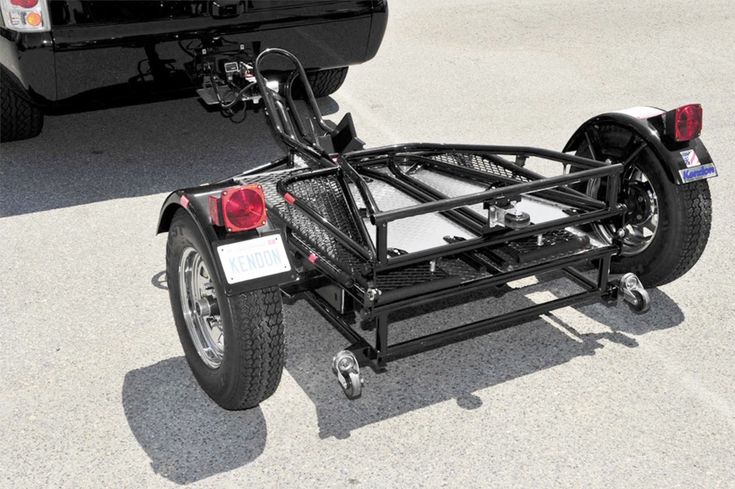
238	208
685	123
25	15
24	3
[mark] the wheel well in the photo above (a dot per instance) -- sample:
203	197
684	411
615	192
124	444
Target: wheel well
9	60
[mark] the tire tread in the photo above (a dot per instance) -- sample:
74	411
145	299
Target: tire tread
262	344
326	82
698	207
19	117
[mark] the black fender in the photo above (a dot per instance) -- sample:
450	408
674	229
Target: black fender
673	155
195	201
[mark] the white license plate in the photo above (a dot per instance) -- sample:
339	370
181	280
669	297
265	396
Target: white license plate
252	259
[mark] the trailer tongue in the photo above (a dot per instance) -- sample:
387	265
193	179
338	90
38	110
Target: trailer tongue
365	233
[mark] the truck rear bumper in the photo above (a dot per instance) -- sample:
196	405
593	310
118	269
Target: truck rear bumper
74	60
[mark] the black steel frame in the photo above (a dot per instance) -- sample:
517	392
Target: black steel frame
354	167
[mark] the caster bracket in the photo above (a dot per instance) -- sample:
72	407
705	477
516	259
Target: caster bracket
634	293
347	369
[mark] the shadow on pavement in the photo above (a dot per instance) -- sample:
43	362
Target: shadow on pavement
452	372
129	152
664	314
459	370
185	434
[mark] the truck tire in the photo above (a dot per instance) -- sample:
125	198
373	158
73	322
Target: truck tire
683	213
20	118
234	345
327	82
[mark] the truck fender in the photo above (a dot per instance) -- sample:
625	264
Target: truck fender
683	162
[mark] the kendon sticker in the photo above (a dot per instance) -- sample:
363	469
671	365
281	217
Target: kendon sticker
699	173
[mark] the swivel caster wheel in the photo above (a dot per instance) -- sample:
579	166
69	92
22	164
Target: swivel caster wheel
347	370
634	293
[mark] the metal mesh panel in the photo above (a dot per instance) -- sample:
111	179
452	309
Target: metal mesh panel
555	244
479	163
458	268
420	273
553	238
325	196
406	277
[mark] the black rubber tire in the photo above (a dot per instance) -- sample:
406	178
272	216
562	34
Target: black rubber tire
642	307
326	82
20	118
685	215
254	354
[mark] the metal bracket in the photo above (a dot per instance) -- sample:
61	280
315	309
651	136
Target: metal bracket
347	369
506	215
634	293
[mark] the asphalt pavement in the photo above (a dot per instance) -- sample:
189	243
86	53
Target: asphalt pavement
96	392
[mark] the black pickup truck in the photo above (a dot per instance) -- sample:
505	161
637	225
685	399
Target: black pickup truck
65	55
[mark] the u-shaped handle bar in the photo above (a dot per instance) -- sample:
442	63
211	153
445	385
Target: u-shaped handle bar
283	123
286	125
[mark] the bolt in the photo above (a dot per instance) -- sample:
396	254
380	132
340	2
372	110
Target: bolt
345	364
373	294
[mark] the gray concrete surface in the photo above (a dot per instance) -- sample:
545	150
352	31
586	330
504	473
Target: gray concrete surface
96	393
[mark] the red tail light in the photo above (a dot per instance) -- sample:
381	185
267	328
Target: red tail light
685	123
24	3
239	208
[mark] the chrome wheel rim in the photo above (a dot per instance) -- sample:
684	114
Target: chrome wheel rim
201	309
642	217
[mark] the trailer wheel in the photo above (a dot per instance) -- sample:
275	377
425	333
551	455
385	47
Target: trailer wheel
234	345
668	224
20	118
